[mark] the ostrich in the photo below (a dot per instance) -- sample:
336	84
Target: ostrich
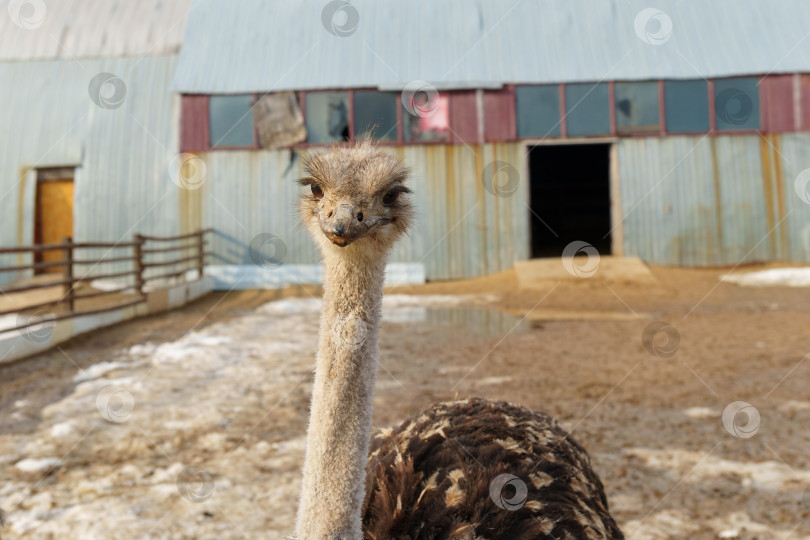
472	469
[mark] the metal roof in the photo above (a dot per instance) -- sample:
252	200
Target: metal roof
262	45
40	29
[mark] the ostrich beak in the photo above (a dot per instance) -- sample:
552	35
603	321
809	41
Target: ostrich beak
347	223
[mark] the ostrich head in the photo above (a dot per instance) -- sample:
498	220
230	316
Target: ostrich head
357	199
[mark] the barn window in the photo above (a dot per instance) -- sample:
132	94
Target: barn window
327	116
636	107
736	103
687	106
587	109
231	121
538	111
428	121
376	112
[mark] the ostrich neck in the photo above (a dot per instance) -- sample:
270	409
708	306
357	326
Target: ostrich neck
342	396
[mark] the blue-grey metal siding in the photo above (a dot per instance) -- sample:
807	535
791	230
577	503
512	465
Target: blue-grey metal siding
261	45
75	29
461	230
722	200
122	156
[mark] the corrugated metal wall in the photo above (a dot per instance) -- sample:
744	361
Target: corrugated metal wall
121	155
714	200
462	230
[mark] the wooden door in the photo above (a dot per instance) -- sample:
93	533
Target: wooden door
54	215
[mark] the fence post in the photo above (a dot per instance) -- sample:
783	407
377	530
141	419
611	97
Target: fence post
139	240
67	272
200	253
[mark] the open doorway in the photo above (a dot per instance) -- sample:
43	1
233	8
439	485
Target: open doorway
570	197
53	217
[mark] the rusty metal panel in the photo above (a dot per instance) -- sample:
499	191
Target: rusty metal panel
795	153
248	194
463	229
463	117
499	115
724	200
804	99
195	130
741	209
777	103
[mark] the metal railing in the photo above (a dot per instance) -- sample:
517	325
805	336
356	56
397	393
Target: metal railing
188	250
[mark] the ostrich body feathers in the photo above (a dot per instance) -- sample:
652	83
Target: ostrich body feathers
431	478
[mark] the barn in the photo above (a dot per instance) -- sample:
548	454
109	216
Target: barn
649	129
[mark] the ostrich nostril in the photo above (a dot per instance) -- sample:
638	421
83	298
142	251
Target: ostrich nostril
360	216
330	213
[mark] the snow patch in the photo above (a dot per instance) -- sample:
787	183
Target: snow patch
8	321
62	430
775	277
435	300
740	525
296	306
106	284
794	406
661	526
701	412
187	347
143	349
97	370
699	466
492	380
33	465
292	306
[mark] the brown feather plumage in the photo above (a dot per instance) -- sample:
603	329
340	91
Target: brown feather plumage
440	465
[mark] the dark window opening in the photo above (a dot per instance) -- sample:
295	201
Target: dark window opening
231	120
570	197
587	109
636	107
687	106
538	111
736	103
327	117
376	113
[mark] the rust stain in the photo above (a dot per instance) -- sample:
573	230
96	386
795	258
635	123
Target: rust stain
482	208
718	206
767	189
21	211
190	201
780	194
495	220
450	193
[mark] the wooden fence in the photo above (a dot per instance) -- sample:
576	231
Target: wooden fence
187	252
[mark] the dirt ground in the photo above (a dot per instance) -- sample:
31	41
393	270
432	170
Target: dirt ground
191	424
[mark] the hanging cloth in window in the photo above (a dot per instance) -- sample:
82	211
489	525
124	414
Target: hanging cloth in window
279	121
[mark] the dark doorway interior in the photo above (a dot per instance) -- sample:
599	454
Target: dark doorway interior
570	197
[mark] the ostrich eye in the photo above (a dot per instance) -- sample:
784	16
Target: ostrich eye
390	198
317	192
